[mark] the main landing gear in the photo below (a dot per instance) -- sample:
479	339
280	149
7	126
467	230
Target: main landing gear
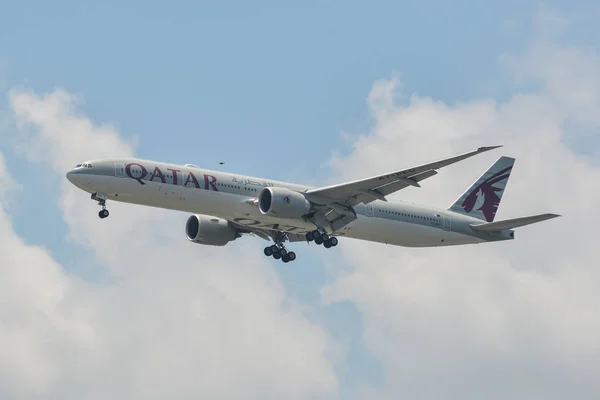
322	238
278	250
101	199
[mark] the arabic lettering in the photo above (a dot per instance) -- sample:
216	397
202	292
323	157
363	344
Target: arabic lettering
251	182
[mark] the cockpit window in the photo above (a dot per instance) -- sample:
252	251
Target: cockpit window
89	165
78	166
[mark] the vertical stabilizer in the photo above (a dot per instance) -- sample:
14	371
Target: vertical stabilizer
482	199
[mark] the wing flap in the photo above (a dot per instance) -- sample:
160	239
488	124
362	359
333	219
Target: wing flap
380	192
512	223
414	180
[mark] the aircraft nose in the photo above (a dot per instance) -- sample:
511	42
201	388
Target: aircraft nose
70	176
75	177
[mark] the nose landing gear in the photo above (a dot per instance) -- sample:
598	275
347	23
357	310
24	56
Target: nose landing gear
101	199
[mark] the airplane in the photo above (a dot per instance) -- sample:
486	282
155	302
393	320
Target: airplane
225	206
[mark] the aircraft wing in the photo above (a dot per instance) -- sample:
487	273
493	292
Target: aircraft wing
377	187
336	201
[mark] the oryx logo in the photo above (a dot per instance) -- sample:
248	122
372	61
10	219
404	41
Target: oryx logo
287	199
136	171
484	197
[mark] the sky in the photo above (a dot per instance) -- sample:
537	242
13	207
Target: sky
315	93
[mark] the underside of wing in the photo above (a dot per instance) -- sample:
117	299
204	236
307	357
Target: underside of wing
268	234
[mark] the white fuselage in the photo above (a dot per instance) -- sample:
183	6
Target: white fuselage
229	196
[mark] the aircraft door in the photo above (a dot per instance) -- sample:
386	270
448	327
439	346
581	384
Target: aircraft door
369	210
120	170
447	223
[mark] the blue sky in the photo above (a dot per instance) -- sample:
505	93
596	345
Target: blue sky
268	87
264	74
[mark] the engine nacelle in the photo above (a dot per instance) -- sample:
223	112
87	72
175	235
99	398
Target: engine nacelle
282	203
211	231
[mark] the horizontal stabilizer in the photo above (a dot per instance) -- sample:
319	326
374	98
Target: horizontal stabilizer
512	223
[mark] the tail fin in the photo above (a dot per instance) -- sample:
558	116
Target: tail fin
482	199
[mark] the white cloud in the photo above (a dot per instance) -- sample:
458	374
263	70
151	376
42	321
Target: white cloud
7	183
179	320
506	320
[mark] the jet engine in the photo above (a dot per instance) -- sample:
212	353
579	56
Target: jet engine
208	230
282	203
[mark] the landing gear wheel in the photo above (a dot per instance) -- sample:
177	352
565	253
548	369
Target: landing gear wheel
310	236
101	199
333	240
278	250
327	244
324	237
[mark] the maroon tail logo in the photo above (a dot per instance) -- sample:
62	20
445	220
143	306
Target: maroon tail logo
485	196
